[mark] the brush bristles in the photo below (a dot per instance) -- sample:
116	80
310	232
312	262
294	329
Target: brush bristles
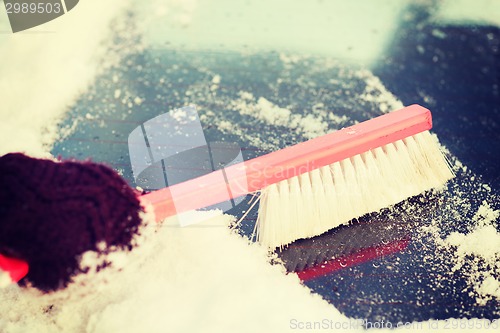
315	202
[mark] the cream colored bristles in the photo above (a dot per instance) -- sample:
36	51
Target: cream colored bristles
314	202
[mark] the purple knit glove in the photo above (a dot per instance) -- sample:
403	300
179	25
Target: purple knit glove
51	213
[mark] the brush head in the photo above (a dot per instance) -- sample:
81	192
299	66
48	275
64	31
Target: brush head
315	202
52	213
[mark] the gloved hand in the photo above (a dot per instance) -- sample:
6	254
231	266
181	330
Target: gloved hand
51	213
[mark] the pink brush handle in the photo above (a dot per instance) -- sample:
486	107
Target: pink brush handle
256	174
16	268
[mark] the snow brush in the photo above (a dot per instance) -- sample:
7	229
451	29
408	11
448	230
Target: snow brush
306	189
